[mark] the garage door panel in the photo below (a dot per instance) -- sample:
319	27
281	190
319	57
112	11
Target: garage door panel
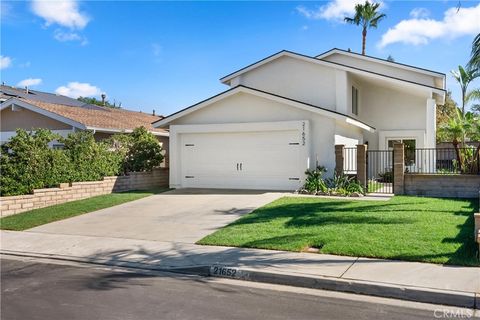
247	160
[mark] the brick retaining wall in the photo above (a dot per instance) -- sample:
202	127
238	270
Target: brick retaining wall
66	192
436	185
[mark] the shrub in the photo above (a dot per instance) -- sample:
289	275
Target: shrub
89	160
338	184
314	182
140	150
27	162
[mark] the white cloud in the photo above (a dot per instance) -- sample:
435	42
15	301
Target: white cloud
78	89
5	62
334	10
29	82
456	23
62	12
63	36
417	13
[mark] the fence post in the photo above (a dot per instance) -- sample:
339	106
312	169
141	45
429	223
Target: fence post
362	165
339	158
398	168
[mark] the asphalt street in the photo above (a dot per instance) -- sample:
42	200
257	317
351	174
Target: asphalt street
35	289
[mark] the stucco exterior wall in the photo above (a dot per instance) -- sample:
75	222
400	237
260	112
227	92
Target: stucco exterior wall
388	109
295	79
378	67
246	108
28	120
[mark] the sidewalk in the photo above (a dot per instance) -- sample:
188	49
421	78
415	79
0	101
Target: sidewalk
449	285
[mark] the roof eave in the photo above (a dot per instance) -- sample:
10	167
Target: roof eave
295	103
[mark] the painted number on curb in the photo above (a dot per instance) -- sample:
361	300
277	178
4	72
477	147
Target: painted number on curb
223	271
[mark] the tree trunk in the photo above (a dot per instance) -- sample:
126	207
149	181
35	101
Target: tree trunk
475	165
457	153
364	39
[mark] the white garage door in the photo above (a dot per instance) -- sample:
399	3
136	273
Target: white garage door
244	160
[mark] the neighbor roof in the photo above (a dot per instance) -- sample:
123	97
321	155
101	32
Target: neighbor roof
102	119
260	93
8	92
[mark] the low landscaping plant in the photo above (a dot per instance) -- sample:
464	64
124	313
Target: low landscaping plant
28	162
342	185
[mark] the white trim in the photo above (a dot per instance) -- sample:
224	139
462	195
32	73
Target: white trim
176	131
31	107
380	61
334	65
383	135
300	105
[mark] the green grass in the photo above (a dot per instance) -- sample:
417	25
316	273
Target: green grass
403	228
37	217
373	186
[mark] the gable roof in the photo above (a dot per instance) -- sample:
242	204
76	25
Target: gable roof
271	96
7	92
380	60
102	119
226	79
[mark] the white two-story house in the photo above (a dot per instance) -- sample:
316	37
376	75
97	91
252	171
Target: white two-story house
285	113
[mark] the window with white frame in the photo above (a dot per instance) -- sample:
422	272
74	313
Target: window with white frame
354	101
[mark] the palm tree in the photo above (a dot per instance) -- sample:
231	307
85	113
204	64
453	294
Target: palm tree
464	76
455	130
367	16
475	55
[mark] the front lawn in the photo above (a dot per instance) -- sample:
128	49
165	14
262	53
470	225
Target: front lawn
37	217
404	228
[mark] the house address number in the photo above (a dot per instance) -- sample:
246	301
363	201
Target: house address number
223	271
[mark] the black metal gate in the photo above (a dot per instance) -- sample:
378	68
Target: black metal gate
379	171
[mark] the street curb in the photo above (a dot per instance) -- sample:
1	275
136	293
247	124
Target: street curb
445	297
385	290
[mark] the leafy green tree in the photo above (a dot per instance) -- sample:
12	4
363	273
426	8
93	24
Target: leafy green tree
464	76
141	150
445	112
96	102
366	16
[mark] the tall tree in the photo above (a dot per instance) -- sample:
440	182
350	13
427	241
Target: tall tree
445	112
367	16
475	54
464	76
96	102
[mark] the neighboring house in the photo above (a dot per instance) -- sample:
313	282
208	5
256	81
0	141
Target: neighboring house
28	109
285	113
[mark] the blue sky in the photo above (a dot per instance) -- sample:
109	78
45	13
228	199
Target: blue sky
168	55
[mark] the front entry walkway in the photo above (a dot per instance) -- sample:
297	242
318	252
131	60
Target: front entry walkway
183	215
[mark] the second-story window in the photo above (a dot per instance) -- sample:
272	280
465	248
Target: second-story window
354	100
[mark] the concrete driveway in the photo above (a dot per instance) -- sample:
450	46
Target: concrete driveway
184	215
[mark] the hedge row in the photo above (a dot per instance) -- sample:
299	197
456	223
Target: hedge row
27	161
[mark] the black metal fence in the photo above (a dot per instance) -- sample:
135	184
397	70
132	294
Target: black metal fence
443	161
379	171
